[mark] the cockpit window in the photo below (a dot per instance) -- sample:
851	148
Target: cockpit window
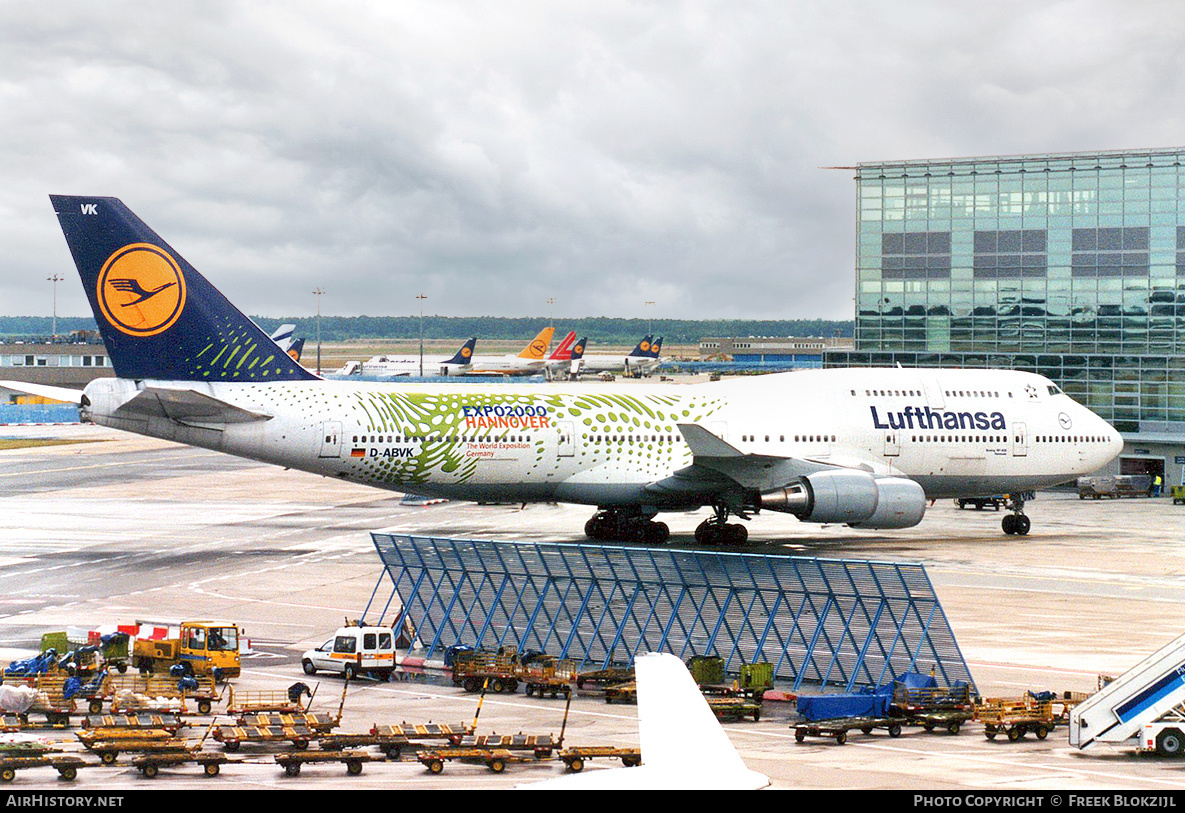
1053	390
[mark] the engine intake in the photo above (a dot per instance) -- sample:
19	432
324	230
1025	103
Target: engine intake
855	498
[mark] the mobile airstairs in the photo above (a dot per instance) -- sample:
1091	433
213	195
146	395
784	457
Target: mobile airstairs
1144	702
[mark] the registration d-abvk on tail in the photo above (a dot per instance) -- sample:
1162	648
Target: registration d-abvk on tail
864	447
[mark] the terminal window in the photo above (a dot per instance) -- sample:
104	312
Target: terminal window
915	255
1013	253
1113	252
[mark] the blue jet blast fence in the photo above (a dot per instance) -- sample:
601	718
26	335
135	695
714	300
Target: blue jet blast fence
825	622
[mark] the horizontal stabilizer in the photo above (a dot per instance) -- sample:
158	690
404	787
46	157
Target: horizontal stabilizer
187	406
45	391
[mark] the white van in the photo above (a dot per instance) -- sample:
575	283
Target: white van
353	651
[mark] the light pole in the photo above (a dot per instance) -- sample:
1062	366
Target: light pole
55	279
318	293
551	312
649	319
421	297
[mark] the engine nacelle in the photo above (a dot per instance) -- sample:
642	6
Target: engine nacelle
855	498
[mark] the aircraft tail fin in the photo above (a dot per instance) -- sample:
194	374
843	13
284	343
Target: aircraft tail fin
465	354
159	317
643	348
537	349
283	336
656	348
563	352
578	349
295	349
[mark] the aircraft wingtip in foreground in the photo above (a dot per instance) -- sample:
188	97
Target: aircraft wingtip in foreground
683	745
864	447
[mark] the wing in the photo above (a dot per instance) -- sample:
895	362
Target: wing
45	391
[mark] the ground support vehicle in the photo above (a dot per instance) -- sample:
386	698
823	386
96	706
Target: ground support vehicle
604	677
839	728
1166	736
110	748
734	708
477	670
292	762
87	655
66	766
548	676
496	759
261	702
1114	486
392	740
391	746
1178	494
155	693
131	722
574	758
149	764
233	737
51	696
428	731
320	723
949	721
545	686
979	503
352	651
1015	717
202	648
626	692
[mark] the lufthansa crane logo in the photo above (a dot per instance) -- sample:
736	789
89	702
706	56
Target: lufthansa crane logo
141	290
645	347
538	348
466	352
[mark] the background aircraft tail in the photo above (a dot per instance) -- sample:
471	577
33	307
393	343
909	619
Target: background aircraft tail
656	348
296	348
578	349
564	350
643	348
159	317
465	354
537	349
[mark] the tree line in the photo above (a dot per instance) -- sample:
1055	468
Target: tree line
599	329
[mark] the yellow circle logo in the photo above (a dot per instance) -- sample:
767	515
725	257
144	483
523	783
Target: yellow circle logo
141	290
538	348
466	352
578	348
645	346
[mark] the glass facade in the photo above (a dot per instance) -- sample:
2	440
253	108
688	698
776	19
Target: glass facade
1070	265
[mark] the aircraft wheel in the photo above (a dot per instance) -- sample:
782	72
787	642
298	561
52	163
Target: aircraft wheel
736	534
657	533
592	529
1008	524
1023	523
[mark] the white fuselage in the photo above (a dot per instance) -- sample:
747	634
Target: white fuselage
955	432
405	365
617	364
504	365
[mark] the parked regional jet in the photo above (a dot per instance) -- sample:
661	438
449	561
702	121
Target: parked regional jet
642	360
411	364
865	447
531	361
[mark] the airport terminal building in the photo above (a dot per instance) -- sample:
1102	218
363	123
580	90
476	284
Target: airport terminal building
1069	265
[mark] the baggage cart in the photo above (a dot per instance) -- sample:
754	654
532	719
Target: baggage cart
262	701
541	745
626	692
411	732
292	762
1017	716
839	728
149	764
155	693
66	766
233	737
317	722
734	708
127	722
496	759
1178	494
110	749
574	758
51	696
604	677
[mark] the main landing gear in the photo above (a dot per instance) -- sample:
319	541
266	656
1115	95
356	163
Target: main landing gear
1016	523
618	525
718	531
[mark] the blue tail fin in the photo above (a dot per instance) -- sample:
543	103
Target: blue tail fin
656	348
465	354
578	349
159	317
643	348
295	349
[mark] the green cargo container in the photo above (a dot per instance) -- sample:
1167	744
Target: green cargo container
706	670
757	676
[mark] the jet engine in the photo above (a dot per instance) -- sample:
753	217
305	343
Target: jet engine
855	498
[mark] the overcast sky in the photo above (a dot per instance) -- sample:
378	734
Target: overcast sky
493	155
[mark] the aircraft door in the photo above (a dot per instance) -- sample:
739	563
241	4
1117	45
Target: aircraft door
892	443
331	439
567	439
1020	440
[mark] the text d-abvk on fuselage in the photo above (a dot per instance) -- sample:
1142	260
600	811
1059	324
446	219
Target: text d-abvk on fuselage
928	418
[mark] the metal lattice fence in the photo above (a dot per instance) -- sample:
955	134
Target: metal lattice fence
827	622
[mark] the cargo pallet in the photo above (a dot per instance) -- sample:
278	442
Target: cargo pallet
428	731
263	701
839	728
66	766
734	708
604	677
541	745
292	762
149	764
317	722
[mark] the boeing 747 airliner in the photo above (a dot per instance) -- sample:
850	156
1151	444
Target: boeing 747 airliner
865	447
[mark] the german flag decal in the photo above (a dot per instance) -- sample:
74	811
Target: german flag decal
357	453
